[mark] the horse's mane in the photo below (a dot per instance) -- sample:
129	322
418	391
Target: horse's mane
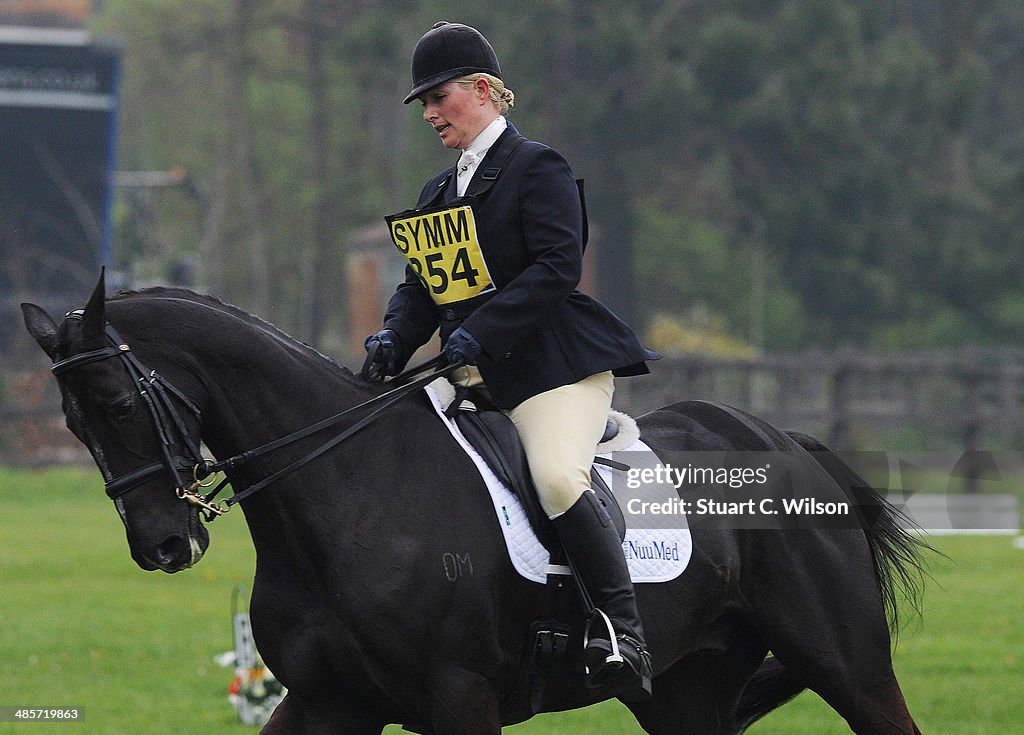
169	293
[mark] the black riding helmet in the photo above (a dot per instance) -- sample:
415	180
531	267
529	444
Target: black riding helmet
450	50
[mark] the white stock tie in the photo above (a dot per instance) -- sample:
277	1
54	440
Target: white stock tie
467	159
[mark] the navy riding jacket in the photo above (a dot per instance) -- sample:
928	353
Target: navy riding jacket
537	331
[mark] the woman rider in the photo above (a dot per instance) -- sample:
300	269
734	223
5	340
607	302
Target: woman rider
495	249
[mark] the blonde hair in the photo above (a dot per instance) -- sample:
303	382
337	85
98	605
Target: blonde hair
503	98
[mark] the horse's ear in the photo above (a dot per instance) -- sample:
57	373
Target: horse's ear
94	318
42	328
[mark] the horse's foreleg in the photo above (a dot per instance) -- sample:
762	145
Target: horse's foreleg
463	703
698	694
295	717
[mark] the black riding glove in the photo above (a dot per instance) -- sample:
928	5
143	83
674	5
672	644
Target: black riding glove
462	347
383	347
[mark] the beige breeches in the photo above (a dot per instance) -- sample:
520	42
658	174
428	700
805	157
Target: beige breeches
560	430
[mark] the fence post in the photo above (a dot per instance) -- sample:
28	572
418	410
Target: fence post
1011	392
839	407
971	432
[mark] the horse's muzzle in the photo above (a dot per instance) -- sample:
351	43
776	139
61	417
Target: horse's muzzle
175	553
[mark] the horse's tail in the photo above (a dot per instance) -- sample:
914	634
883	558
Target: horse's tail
771	686
895	551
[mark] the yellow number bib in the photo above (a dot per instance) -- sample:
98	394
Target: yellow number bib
442	247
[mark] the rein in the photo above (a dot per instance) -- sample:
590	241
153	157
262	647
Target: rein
190	473
385	401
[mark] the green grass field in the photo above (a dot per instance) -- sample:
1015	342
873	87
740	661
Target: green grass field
81	625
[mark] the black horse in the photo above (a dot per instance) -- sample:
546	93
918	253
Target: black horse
357	607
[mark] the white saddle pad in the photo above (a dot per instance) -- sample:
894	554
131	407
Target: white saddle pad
653	554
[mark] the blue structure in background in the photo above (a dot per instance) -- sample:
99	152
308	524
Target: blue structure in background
58	141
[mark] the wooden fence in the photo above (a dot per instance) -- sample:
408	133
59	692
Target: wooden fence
966	399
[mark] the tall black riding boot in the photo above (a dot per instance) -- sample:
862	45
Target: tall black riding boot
617	658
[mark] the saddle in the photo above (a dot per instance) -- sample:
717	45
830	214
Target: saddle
495	438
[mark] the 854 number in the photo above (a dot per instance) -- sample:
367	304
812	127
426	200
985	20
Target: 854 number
437	278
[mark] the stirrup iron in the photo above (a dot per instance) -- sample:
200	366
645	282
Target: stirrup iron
615	657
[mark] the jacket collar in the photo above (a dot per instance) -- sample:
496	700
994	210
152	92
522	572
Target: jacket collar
447	187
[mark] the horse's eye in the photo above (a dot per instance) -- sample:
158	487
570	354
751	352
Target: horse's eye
121	408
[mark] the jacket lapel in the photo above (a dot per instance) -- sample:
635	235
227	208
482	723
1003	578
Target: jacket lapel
447	190
488	158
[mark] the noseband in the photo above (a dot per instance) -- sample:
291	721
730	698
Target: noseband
191	472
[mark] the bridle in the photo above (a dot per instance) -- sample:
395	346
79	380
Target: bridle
181	456
184	467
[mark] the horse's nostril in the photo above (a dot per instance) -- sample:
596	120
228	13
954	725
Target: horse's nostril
171	551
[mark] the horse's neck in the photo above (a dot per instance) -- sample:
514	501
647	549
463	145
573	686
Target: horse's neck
251	406
297	522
